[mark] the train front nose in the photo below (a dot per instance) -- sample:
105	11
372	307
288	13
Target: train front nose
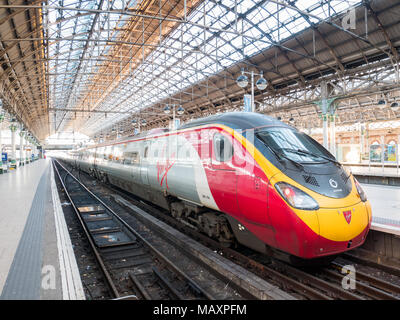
342	228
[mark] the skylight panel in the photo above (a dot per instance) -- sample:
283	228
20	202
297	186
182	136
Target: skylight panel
169	74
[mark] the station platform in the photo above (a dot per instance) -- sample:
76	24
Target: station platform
387	174
36	255
385	204
374	170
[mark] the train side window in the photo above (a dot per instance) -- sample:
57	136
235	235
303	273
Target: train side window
131	157
222	147
135	158
146	151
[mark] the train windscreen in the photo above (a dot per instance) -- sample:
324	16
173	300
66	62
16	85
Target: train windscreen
294	145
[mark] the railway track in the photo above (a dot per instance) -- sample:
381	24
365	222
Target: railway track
131	266
319	283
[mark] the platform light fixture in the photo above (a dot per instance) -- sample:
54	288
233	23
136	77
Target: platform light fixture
167	109
261	82
176	109
180	110
242	81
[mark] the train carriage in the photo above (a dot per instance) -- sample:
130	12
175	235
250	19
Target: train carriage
242	177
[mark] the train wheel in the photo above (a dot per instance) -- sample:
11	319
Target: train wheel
217	227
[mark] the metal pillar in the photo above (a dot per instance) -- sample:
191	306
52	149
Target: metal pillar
362	141
253	109
328	110
25	146
332	148
325	131
1	140
13	157
21	148
324	108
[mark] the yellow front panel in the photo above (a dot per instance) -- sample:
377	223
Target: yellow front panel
333	225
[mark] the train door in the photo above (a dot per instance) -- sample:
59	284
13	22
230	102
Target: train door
222	176
144	166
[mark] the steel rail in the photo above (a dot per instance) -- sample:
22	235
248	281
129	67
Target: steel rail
159	254
99	260
266	271
376	287
261	269
286	280
317	282
384	267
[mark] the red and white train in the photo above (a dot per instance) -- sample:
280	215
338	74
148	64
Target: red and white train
242	177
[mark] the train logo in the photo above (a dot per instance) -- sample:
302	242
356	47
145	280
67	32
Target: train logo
333	183
347	216
162	169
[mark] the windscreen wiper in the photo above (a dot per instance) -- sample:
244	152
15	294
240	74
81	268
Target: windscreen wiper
297	164
280	155
300	151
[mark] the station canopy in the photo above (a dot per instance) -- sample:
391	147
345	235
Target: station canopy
104	67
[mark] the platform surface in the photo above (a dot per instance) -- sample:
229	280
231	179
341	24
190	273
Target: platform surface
375	170
385	204
35	255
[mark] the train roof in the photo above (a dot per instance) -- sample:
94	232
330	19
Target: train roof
234	120
237	120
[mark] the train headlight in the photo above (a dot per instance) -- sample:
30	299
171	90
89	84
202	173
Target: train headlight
360	190
295	197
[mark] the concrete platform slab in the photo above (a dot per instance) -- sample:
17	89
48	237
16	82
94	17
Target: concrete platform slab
33	242
385	204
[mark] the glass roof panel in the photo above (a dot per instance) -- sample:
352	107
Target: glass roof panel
207	49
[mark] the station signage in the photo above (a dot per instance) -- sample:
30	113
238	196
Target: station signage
247	103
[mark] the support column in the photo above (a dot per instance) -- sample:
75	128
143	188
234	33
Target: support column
26	151
21	148
332	148
29	151
1	128
325	131
34	151
362	141
324	108
13	158
328	109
